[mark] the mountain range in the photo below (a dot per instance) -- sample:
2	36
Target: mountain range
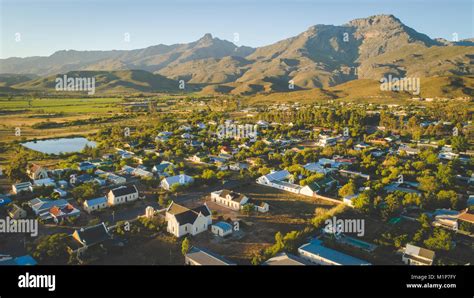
323	56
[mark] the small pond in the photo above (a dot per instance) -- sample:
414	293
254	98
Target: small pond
61	145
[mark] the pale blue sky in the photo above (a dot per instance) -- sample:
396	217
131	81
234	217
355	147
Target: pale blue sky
46	26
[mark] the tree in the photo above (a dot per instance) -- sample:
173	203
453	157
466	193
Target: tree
362	203
391	207
424	221
440	240
208	174
248	208
445	174
85	191
51	247
447	198
348	190
185	245
411	199
428	184
16	170
459	143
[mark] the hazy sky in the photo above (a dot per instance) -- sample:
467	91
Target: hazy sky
45	26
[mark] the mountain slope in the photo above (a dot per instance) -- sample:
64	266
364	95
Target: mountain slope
112	82
321	57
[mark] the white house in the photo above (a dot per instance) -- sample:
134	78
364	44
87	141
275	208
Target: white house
238	166
414	255
229	199
181	179
115	179
262	207
221	229
275	180
59	213
161	168
183	221
325	141
95	204
142	173
318	186
122	195
44	182
36	172
21	187
16	212
315	167
40	205
87	237
349	200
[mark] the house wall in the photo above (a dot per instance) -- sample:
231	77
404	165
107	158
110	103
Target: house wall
200	225
113	200
226	203
315	258
262	209
92	208
307	191
220	232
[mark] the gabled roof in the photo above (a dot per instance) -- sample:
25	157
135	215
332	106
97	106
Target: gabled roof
39	204
35	167
176	179
223	225
234	196
92	235
317	185
279	175
162	166
185	215
417	251
96	201
465	216
124	190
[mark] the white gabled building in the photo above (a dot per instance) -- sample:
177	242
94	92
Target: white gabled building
414	255
229	199
122	195
276	180
95	204
274	176
36	172
181	179
183	221
262	207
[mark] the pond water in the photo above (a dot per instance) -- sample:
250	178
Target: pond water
61	145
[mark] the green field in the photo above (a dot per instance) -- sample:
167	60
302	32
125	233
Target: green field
62	105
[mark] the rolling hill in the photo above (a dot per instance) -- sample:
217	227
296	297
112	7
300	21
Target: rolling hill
121	81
